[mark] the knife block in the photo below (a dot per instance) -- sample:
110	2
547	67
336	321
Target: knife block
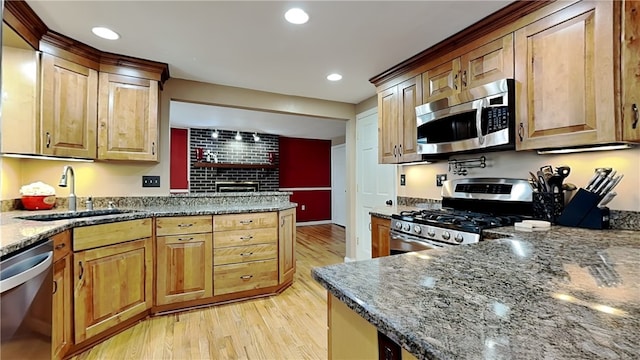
547	206
582	211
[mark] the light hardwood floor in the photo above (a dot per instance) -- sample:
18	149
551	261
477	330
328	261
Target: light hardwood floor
292	325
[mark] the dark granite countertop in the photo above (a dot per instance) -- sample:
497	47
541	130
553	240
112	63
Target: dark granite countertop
16	233
564	293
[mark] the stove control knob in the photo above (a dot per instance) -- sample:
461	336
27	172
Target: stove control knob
398	225
431	232
417	229
458	238
406	227
446	235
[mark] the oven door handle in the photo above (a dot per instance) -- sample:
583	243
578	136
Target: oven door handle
423	243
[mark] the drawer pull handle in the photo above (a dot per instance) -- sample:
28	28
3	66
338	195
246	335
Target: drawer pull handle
184	225
246	237
185	239
246	222
246	277
60	246
246	254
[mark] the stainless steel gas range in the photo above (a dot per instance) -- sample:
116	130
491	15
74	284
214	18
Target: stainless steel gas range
468	206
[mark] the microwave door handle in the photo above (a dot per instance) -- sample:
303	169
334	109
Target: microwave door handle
481	106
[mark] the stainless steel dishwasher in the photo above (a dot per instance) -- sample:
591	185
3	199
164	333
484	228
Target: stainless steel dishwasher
26	286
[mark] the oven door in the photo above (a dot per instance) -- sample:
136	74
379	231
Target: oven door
400	243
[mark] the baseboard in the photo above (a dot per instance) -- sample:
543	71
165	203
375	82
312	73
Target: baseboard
319	222
348	259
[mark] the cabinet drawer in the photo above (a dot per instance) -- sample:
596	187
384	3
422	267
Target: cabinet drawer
186	238
244	221
244	237
240	254
246	276
183	225
89	237
61	245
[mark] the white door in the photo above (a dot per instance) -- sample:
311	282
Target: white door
375	183
339	185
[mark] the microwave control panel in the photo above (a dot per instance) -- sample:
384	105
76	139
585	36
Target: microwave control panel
496	118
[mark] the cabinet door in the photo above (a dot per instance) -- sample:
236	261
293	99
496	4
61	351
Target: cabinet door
410	95
631	71
61	337
379	236
488	63
564	63
69	108
441	81
387	126
184	268
111	284
287	245
19	131
128	113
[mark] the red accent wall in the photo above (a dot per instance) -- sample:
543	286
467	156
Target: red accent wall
178	168
306	163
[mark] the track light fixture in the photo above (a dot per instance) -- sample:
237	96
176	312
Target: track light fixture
256	138
238	136
214	134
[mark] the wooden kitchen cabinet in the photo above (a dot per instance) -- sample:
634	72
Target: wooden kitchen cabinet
380	236
486	63
113	275
128	118
565	66
184	263
245	252
287	245
62	316
397	122
69	108
630	70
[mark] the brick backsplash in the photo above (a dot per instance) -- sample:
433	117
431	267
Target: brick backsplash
229	150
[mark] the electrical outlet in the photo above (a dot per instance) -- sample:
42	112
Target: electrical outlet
440	178
303	207
403	180
150	181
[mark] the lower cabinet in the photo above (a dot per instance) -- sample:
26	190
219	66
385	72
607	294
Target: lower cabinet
287	245
184	250
112	283
245	252
353	337
380	236
61	329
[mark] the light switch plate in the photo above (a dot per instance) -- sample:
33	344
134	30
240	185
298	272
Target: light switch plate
150	181
403	180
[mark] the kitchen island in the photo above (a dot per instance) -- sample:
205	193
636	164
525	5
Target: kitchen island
561	293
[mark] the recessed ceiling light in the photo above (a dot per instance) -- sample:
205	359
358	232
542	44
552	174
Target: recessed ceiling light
105	33
296	16
334	77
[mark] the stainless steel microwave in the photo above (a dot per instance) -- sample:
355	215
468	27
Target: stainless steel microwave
476	120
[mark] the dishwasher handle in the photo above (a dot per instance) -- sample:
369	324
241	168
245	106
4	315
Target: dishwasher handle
25	270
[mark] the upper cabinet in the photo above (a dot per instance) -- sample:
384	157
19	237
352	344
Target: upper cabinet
20	64
486	63
630	71
128	112
565	66
397	122
69	108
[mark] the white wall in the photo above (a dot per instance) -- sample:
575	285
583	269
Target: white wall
421	178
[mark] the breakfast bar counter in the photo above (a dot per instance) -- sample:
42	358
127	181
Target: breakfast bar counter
555	294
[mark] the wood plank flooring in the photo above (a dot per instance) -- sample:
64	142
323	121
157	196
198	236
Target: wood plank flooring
292	325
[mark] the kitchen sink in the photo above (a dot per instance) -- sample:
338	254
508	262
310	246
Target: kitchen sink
75	214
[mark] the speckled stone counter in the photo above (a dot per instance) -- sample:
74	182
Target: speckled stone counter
564	293
16	233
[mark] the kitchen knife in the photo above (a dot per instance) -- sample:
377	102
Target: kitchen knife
605	183
542	181
590	182
612	184
606	199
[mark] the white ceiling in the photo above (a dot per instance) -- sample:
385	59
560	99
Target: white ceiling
248	44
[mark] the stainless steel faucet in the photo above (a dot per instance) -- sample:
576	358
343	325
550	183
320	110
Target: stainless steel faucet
72	190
